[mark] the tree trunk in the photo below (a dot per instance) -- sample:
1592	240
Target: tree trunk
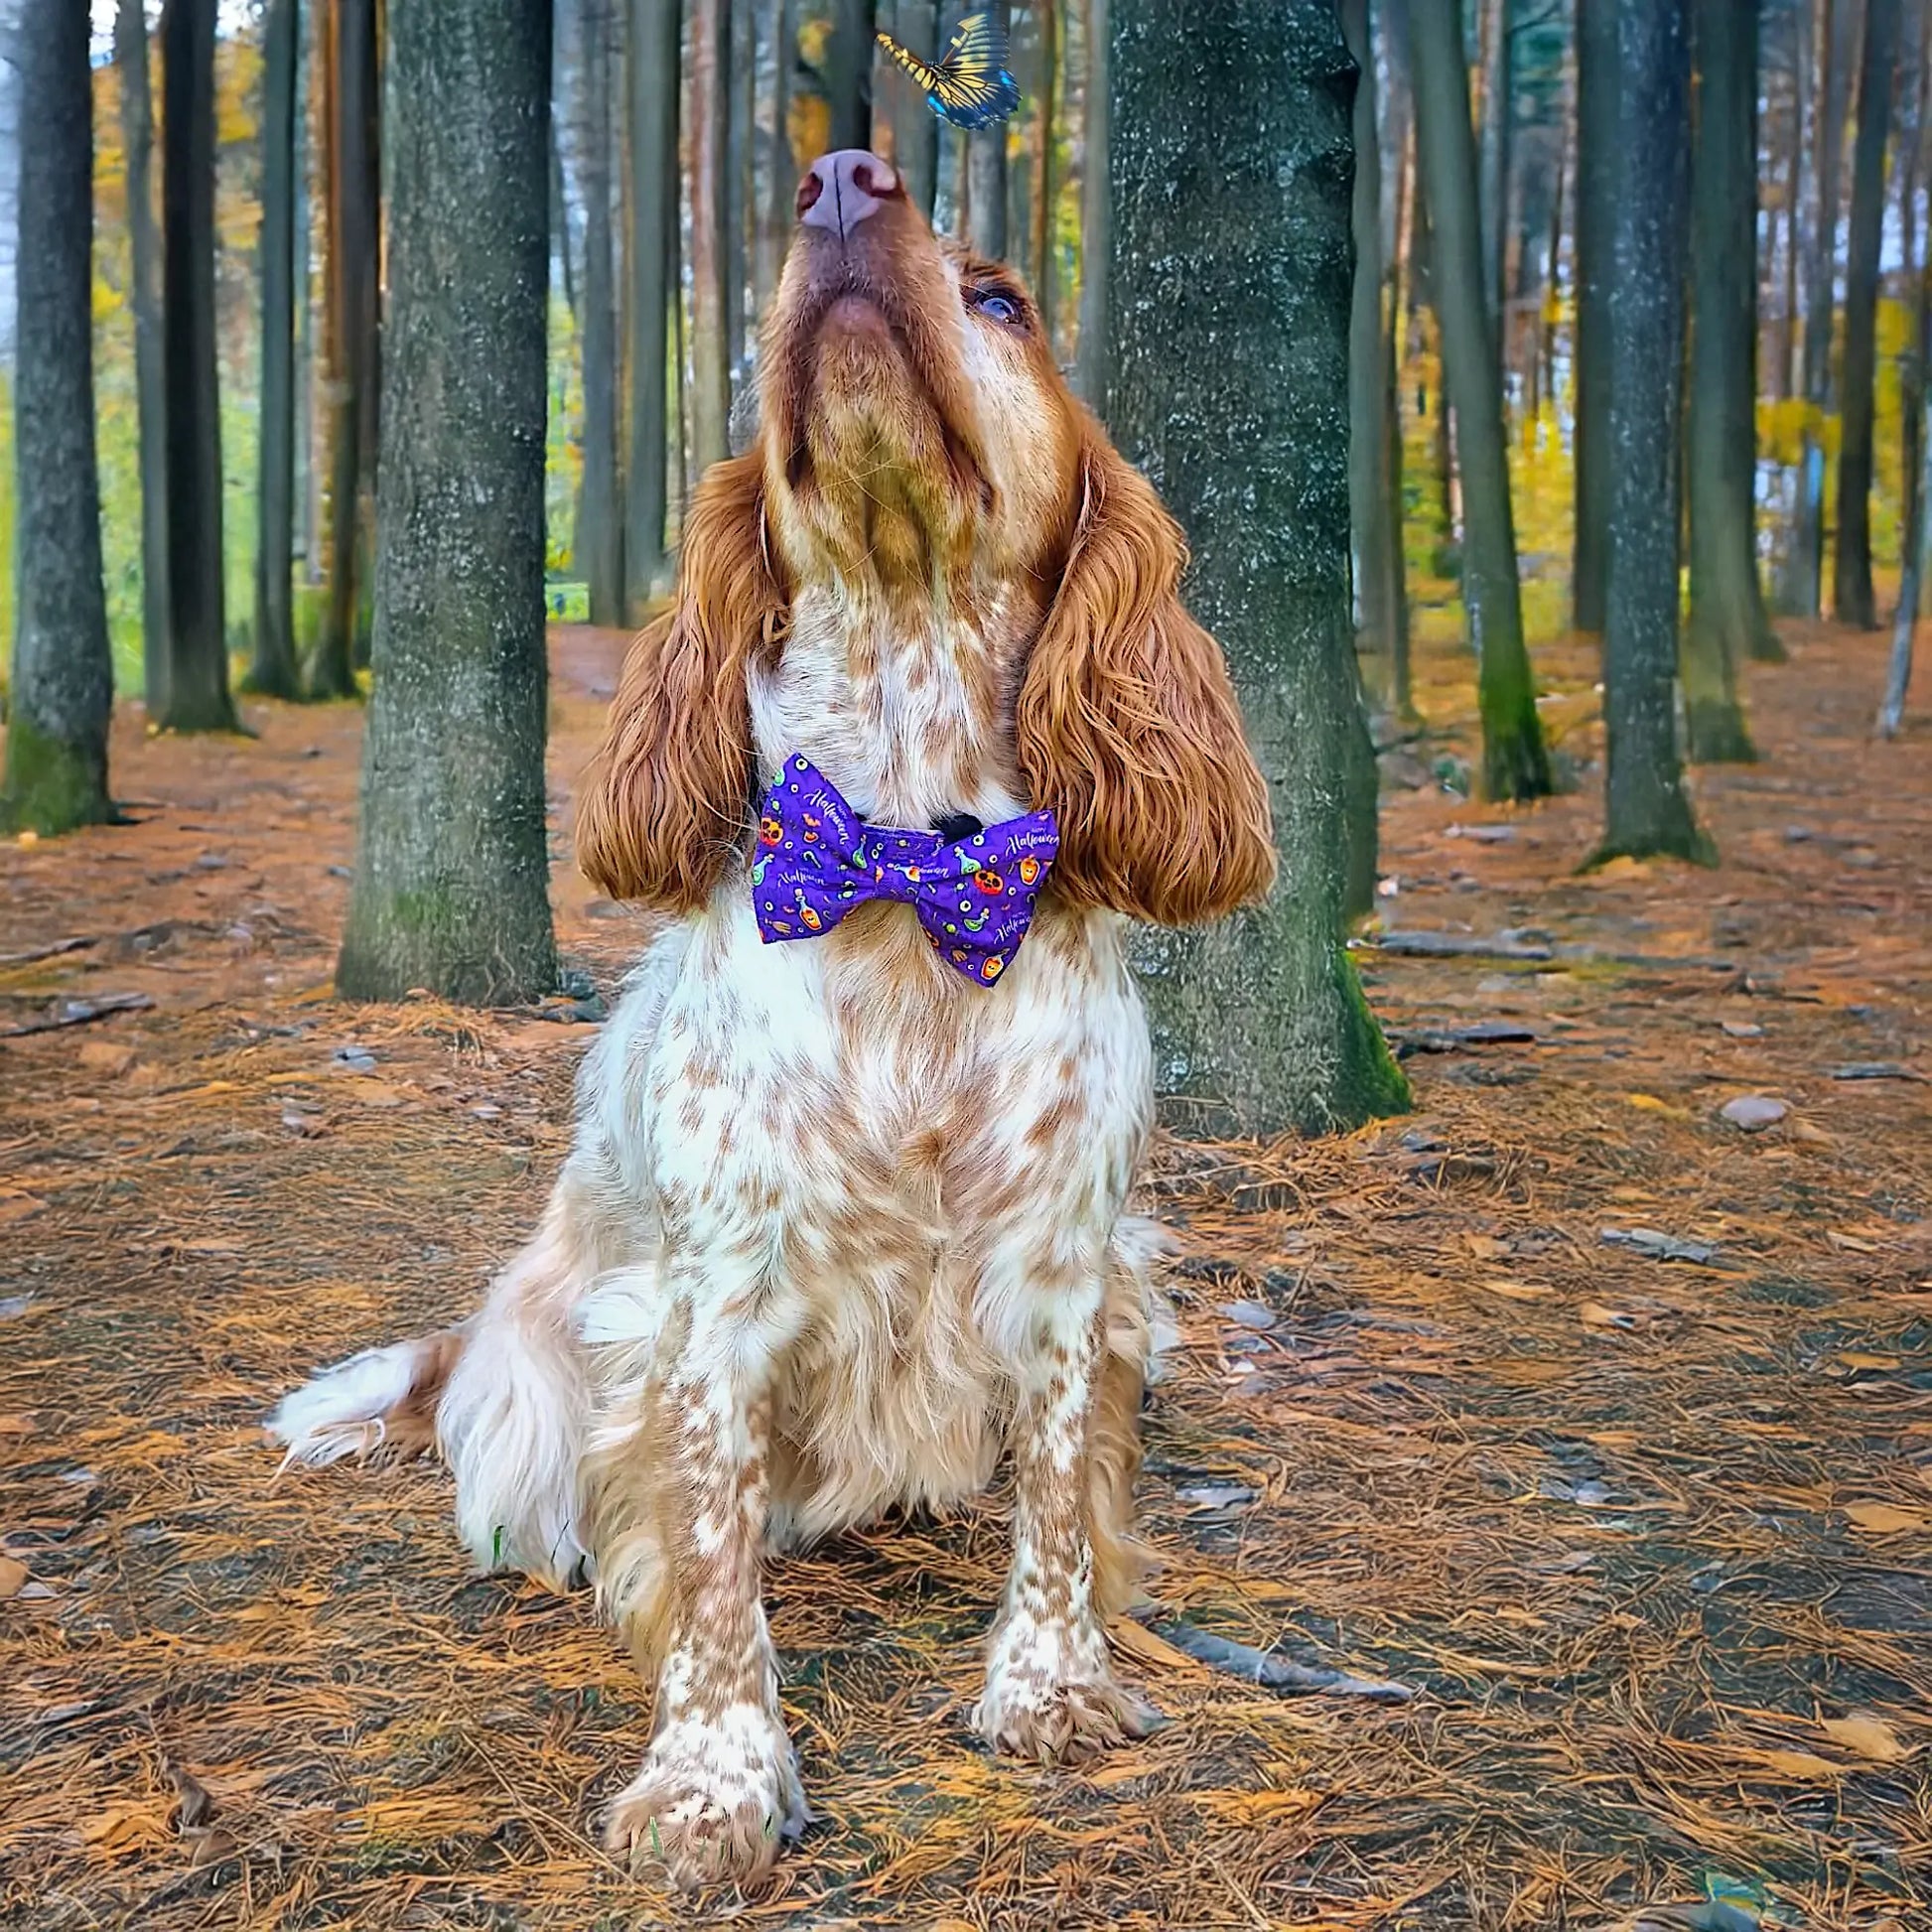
1229	275
1046	185
198	662
1908	168
986	171
709	110
1514	764
1595	218
560	224
915	127
848	73
63	680
1492	167
307	491
1648	808
1095	211
354	244
1851	586
1802	591
775	231
741	194
652	57
1899	672
1379	592
452	879
273	671
150	379
599	528
1728	621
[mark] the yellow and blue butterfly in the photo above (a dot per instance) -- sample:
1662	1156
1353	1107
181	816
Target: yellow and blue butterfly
970	87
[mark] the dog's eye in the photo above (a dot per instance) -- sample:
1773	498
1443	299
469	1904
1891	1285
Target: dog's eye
993	304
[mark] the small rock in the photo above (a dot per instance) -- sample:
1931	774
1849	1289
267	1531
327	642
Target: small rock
353	1060
211	862
1742	1029
1755	1112
1249	1315
1217	1495
487	1110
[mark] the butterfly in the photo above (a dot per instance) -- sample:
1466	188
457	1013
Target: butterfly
970	87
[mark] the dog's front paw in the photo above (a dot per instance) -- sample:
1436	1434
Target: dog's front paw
1051	1696
713	1802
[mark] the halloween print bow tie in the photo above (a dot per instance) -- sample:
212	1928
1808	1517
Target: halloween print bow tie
817	859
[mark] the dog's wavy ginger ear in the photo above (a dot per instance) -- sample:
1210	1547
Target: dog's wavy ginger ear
1127	726
665	802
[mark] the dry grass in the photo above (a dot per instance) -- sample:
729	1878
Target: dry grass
1651	1542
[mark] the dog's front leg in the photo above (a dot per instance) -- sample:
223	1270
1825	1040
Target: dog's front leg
1051	1693
719	1789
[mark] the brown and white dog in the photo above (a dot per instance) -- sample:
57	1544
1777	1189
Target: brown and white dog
840	1229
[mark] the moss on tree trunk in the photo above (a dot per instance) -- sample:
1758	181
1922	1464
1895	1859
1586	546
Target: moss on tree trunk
62	692
451	875
1228	299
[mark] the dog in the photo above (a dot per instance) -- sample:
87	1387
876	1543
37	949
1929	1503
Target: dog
843	1224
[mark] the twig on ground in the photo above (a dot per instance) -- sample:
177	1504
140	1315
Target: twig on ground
53	951
80	1013
1278	1673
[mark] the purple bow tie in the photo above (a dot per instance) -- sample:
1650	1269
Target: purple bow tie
817	859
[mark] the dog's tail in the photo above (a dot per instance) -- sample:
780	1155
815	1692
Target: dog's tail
381	1399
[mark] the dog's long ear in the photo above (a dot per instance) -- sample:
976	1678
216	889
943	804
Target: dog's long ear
1127	726
666	800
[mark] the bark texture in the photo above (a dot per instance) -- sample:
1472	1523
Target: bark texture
62	682
651	58
600	526
1728	622
711	239
273	669
986	173
1596	58
847	72
354	246
1852	579
150	375
1514	761
1096	212
198	697
451	875
1494	156
915	127
1229	288
1648	809
1044	183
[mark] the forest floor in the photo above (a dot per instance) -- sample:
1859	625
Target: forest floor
1599	1423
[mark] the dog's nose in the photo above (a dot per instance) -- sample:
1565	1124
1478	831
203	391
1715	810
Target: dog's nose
841	189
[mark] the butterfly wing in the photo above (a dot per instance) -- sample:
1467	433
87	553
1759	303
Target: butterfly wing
972	87
927	75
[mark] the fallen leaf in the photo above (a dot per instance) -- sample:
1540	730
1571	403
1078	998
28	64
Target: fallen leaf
1806	1765
1137	1642
103	1057
122	1828
1850	1243
1884	1519
1517	1291
1650	1104
13	1572
19	1207
1854	1358
1870	1738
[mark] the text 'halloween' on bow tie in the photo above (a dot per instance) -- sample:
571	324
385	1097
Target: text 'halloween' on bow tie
816	859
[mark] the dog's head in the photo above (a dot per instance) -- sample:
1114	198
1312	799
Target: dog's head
918	443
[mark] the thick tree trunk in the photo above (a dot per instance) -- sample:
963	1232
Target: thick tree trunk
308	488
1802	590
600	527
986	173
1595	219
273	671
915	127
848	73
651	62
1852	584
1492	167
775	226
1728	621
1907	170
1379	588
1095	211
710	108
1229	275
1648	808
198	662
1045	187
150	377
355	243
452	878
1898	671
61	681
1514	763
740	192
